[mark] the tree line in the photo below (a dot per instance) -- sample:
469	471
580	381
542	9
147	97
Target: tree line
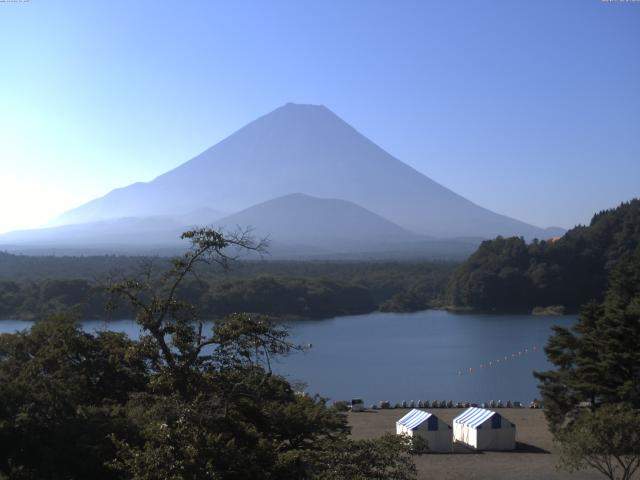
282	290
509	274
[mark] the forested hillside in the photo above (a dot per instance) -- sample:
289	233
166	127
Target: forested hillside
34	287
509	274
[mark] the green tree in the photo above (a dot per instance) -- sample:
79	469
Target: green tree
215	409
597	379
509	274
59	399
179	403
607	439
387	458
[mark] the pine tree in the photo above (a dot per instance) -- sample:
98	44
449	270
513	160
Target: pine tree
598	366
597	361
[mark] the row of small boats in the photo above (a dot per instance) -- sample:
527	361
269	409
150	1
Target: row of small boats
357	404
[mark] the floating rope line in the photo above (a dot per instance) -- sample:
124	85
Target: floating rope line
497	361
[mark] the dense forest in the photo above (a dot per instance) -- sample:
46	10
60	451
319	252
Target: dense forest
34	287
509	274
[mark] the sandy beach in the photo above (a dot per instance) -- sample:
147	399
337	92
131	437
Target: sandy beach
535	457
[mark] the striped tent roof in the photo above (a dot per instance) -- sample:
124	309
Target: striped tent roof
474	417
414	418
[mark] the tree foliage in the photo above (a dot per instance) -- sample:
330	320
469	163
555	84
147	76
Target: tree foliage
509	274
179	403
288	290
62	396
388	458
606	439
595	389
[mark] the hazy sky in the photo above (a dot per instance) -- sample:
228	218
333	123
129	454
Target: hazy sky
531	109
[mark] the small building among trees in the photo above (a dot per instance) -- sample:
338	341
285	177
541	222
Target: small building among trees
483	429
433	430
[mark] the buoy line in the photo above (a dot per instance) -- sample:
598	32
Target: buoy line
498	361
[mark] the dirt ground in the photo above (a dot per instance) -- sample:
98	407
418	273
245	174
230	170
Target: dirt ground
535	457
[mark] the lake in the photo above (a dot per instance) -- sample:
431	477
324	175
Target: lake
430	355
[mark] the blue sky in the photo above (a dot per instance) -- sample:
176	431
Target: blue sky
531	109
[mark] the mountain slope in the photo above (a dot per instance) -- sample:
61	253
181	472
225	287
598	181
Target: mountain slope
326	224
308	149
121	231
298	226
127	234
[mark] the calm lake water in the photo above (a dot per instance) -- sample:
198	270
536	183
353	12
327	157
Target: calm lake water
411	356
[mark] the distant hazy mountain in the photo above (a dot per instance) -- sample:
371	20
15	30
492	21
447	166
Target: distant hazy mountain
323	224
199	216
154	234
296	225
307	149
129	231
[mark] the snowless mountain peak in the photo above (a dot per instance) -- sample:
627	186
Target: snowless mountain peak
308	149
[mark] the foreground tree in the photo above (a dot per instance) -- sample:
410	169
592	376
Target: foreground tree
61	397
607	439
595	388
388	457
172	331
179	403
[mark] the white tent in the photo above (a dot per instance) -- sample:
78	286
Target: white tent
428	426
484	430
